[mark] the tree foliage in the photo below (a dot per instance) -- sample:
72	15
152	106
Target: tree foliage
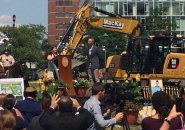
156	22
26	43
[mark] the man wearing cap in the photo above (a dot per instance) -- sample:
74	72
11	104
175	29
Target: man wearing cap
7	60
29	107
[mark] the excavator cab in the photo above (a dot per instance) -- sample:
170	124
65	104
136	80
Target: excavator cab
145	55
148	54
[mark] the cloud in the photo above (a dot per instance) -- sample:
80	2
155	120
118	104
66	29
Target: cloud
5	20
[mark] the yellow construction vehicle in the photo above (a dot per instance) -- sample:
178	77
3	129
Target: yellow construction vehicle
151	57
156	56
83	19
77	29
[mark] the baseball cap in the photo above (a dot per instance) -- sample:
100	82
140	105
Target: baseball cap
30	89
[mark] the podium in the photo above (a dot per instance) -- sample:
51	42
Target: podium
65	71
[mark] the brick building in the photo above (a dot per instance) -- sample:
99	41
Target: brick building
60	13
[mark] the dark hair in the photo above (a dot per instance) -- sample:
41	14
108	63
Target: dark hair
30	94
45	102
6	50
96	88
9	102
65	104
162	103
91	38
51	49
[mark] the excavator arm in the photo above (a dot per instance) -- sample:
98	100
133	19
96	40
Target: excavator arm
77	29
82	20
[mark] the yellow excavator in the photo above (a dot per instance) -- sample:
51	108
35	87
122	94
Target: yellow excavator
77	29
152	57
156	56
83	19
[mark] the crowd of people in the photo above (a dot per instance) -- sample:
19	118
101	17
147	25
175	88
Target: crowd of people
54	112
66	113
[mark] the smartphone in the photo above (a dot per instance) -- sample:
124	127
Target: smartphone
178	104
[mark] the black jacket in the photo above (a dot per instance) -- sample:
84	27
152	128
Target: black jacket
67	120
34	124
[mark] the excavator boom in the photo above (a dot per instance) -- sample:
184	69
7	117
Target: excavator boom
83	20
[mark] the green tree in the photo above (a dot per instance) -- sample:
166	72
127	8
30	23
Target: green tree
156	23
26	43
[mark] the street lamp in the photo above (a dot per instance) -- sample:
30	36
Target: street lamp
105	35
104	50
14	18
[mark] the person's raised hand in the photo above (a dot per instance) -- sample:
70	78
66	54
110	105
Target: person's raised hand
75	103
54	101
119	116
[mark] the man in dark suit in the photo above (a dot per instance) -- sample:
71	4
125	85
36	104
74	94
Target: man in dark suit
29	107
94	56
67	119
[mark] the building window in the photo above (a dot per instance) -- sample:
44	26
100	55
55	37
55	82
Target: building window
64	3
62	26
132	9
107	6
147	9
65	15
175	7
125	9
178	22
181	8
140	8
160	7
166	7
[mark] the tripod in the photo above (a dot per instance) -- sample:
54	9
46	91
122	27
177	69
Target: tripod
123	123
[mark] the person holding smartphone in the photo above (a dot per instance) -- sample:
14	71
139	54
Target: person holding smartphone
173	114
162	103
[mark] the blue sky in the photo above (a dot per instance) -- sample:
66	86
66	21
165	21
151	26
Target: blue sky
26	11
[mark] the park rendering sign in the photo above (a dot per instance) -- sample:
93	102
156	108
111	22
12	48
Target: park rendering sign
13	86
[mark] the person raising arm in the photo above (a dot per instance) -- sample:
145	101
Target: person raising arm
167	121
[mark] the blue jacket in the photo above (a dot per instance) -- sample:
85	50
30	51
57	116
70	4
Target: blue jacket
29	108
